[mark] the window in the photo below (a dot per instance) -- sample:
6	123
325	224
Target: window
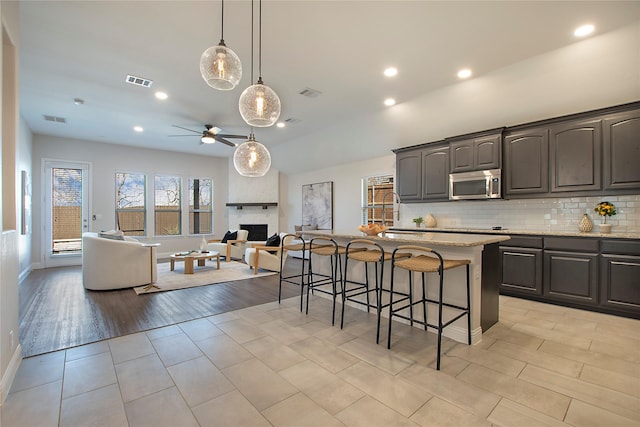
167	205
131	206
376	190
200	207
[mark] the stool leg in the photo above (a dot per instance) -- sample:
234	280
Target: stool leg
309	280
344	290
411	298
424	300
468	307
441	273
379	297
390	305
366	280
334	266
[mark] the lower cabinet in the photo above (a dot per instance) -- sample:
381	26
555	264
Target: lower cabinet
597	274
571	276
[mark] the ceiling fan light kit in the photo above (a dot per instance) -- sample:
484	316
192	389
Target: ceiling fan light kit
220	67
251	158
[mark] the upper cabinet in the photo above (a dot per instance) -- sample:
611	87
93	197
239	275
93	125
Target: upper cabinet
477	153
409	174
423	173
575	155
591	153
526	158
621	140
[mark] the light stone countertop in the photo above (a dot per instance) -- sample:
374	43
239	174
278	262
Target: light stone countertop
416	237
510	231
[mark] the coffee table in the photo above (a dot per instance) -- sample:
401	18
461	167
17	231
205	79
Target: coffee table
190	257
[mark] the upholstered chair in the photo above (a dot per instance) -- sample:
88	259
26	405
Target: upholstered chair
267	257
230	248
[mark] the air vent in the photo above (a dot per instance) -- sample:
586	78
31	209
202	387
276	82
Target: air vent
310	93
292	121
138	81
55	119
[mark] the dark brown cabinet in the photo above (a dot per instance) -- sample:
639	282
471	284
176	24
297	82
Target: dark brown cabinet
526	169
521	258
423	173
409	175
435	173
621	151
575	156
571	269
620	275
476	153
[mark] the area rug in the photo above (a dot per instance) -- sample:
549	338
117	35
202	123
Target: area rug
205	275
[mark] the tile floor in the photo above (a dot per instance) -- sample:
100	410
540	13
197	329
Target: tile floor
270	365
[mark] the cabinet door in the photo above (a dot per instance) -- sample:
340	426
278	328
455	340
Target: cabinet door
435	174
526	162
620	282
487	152
462	156
571	276
409	175
521	270
575	154
621	138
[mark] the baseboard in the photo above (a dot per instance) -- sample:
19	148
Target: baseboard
23	274
10	374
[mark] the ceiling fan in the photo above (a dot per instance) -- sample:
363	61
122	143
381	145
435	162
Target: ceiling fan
211	134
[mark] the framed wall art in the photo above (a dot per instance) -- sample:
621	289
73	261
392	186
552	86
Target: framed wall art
317	205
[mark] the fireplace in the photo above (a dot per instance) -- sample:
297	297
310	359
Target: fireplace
257	232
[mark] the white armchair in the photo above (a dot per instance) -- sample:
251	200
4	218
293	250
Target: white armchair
267	257
117	264
231	248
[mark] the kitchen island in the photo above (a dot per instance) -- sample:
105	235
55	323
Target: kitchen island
481	250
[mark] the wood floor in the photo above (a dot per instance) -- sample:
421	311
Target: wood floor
56	312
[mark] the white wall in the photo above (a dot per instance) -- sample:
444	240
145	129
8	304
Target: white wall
105	160
24	162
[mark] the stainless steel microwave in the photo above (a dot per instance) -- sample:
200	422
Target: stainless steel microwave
485	184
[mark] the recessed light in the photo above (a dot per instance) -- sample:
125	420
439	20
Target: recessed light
464	73
161	95
390	72
389	102
78	101
584	30
138	128
280	124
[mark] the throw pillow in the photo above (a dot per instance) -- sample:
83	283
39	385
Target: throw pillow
112	234
297	228
273	240
229	236
309	227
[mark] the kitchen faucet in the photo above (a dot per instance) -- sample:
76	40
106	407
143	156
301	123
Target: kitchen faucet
384	206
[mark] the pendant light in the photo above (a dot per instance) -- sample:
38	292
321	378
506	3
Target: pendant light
259	104
220	66
251	158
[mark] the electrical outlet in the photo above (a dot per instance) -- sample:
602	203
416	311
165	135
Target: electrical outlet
11	339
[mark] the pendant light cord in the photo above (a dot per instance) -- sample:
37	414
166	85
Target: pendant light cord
222	25
252	37
260	41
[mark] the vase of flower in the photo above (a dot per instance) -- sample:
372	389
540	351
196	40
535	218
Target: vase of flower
605	210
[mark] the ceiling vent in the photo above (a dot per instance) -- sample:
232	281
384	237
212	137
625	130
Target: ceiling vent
138	81
55	119
292	121
310	93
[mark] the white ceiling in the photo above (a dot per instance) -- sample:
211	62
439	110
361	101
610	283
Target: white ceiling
84	49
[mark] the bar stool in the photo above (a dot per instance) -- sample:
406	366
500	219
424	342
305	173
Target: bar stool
372	253
298	245
328	248
419	262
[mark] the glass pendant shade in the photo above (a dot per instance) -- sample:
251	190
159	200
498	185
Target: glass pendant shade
220	67
251	158
259	105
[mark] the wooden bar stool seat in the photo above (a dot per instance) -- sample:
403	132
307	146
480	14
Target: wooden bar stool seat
425	260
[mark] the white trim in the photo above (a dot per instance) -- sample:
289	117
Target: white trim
10	374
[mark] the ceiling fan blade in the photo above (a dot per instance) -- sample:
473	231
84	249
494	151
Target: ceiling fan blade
190	130
224	135
181	135
224	141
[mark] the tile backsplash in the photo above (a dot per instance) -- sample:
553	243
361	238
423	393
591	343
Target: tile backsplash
554	214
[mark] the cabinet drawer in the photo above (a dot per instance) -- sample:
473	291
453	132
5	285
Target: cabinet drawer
623	247
578	244
524	242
